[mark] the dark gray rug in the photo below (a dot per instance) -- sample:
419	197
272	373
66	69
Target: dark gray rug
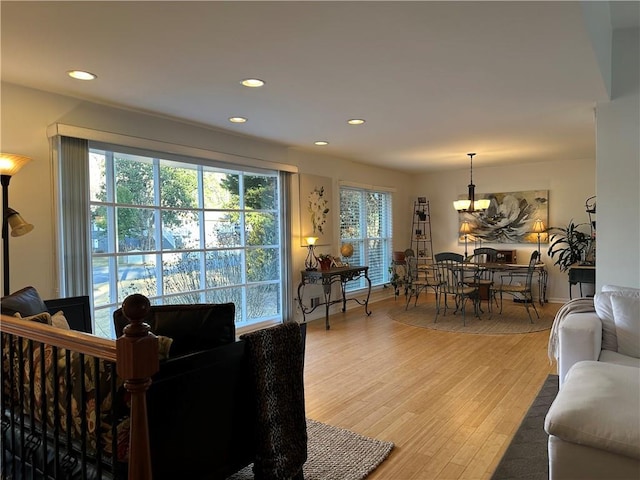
526	457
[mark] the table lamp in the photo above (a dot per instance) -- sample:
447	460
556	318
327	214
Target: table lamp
311	263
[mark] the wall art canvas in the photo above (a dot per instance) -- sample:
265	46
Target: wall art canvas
509	218
316	209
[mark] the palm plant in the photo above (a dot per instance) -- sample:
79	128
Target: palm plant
570	244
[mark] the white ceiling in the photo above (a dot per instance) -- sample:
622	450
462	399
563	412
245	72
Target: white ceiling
512	81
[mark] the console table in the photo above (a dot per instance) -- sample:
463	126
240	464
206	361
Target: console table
581	274
327	278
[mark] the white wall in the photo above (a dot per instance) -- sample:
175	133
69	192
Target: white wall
618	169
569	184
26	114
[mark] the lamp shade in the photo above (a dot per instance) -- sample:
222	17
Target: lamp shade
311	240
10	163
538	226
481	204
462	205
18	225
465	228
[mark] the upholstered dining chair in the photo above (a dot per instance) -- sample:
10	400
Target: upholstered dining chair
450	269
522	289
483	277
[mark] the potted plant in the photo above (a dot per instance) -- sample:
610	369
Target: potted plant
570	244
325	261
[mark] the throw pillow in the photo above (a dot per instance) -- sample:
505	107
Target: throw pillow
164	344
602	303
604	310
43	317
59	320
618	288
626	314
25	301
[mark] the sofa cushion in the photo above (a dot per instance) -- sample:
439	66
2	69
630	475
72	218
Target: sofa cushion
616	358
192	327
626	314
26	302
599	406
604	309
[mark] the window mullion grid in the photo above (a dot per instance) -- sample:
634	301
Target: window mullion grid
112	226
388	205
202	246
114	255
157	215
243	244
363	227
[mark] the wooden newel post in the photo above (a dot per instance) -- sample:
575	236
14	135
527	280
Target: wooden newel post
137	353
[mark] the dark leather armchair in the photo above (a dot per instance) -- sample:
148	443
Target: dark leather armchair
206	405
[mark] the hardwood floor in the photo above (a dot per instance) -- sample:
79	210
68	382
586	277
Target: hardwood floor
450	402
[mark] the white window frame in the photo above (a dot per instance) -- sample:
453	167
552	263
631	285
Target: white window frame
378	273
73	267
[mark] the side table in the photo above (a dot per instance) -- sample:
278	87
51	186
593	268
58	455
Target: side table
581	274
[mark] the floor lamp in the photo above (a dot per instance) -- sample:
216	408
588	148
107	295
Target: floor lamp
10	164
538	227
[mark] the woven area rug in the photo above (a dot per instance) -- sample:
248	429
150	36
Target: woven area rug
514	318
526	457
336	454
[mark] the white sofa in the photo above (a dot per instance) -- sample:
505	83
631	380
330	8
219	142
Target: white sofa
591	333
594	423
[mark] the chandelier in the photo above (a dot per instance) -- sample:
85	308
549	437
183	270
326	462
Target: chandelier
471	204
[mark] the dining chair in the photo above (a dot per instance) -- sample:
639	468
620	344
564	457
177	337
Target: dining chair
521	291
450	268
483	278
420	279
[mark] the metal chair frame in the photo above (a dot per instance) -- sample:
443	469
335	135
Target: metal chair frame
524	292
484	276
450	270
419	280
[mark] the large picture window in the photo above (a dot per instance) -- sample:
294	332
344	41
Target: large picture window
181	232
366	223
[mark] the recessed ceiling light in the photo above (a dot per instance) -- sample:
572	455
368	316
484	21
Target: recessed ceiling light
237	119
321	143
252	82
356	121
81	75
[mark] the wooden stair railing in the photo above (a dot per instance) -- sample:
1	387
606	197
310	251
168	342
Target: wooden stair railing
137	351
135	355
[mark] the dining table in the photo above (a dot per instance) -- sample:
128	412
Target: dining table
510	269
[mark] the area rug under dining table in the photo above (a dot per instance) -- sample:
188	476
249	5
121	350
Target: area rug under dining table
336	454
513	320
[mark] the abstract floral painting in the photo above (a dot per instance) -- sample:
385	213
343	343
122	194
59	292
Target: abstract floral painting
315	209
509	218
